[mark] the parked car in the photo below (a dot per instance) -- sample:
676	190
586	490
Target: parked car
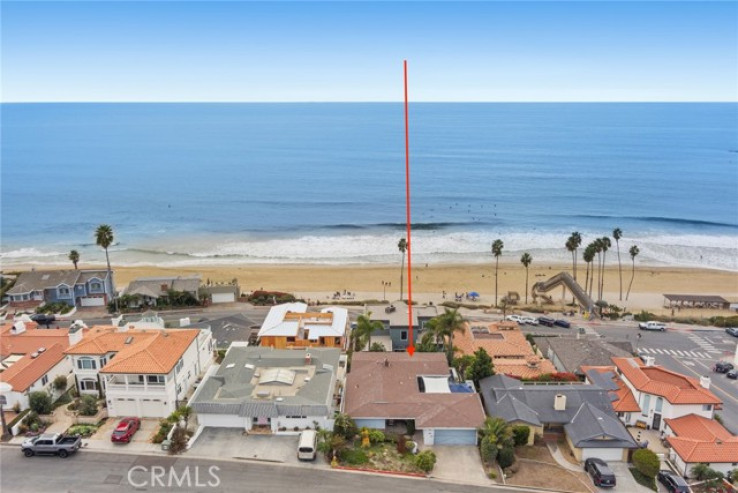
548	322
51	444
600	472
673	482
43	319
529	320
722	367
732	374
652	326
732	331
514	318
562	323
127	427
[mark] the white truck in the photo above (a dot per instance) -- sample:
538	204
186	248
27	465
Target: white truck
652	325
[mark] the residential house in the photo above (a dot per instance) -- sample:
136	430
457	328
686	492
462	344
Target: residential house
507	346
570	353
606	377
73	287
291	325
144	373
151	289
30	359
662	393
270	389
696	440
383	389
222	292
581	413
232	328
396	323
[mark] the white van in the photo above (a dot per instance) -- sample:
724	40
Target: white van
308	445
652	326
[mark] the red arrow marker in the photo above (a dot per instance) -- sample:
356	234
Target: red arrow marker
411	347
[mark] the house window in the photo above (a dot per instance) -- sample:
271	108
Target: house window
180	364
154	379
403	335
63	292
179	388
86	364
45	380
337	341
103	361
707	407
290	339
646	404
659	403
88	384
95	287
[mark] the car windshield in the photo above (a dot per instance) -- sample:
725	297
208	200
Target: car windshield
121	431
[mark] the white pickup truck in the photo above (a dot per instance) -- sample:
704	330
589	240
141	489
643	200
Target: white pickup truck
652	325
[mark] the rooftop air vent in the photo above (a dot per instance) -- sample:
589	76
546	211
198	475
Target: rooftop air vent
129	339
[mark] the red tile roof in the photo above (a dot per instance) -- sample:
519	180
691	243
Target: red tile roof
28	370
30	340
657	380
699	428
156	355
625	401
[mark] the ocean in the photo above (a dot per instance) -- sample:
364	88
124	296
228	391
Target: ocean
323	183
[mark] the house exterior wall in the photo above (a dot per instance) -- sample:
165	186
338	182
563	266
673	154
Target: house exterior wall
281	342
224	421
377	424
685	469
63	367
302	423
398	343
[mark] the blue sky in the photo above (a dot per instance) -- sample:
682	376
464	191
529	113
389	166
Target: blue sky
353	51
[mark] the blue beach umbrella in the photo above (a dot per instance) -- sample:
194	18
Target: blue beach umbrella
474	294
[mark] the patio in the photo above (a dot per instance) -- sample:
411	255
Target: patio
653	438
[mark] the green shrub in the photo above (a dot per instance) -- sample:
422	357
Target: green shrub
488	449
492	474
376	436
733	476
425	460
521	433
270	298
87	405
164	428
353	457
506	457
60	382
731	321
345	426
643	479
179	441
646	462
40	402
82	430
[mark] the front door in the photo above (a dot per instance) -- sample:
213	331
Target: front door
656	421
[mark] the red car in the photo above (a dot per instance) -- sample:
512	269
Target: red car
125	430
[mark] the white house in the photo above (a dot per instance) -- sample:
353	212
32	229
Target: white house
695	439
144	373
35	372
270	389
663	394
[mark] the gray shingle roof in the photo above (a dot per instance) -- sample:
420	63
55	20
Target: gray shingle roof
149	286
574	353
229	329
593	428
38	280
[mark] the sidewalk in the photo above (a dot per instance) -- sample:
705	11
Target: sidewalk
560	459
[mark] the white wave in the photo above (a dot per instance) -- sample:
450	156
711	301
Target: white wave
28	252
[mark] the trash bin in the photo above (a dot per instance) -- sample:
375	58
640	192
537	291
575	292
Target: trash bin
166	444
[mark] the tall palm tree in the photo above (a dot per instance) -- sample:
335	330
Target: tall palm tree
104	238
446	325
74	257
634	251
497	246
598	251
365	326
606	244
588	255
572	244
526	259
402	246
617	233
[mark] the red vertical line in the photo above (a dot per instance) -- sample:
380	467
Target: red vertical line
407	207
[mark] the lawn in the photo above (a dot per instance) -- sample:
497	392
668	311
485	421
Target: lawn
382	456
545	476
535	452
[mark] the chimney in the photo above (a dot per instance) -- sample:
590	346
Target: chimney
308	358
560	402
19	327
705	382
75	334
650	360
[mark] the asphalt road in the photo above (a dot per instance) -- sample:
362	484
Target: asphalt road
89	471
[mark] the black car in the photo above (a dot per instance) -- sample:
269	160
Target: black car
732	331
673	482
732	374
43	319
601	473
722	367
548	322
562	323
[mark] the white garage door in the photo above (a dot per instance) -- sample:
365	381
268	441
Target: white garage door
224	298
124	407
606	454
455	437
92	301
153	408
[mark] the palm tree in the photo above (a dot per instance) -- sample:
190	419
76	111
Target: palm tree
104	238
634	251
74	257
588	255
617	233
445	326
572	244
402	246
497	246
526	259
605	243
362	334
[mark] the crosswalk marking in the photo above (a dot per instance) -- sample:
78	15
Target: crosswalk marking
678	353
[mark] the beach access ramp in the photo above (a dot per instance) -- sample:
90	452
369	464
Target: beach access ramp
565	279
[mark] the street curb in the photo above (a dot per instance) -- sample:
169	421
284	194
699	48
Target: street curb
379	471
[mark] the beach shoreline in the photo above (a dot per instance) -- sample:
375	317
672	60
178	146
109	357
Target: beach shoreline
320	282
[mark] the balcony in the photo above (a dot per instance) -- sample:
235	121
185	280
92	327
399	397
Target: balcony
149	388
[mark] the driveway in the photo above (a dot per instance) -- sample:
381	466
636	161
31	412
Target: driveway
149	427
233	443
625	480
459	463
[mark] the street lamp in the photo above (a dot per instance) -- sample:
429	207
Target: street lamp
5	387
384	290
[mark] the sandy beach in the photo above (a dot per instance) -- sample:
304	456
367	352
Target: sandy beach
429	281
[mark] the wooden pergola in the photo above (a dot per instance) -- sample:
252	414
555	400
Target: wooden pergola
695	301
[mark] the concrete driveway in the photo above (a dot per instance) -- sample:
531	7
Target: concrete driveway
149	427
459	463
625	480
233	443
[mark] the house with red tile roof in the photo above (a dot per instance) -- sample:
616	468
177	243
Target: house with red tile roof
662	393
695	440
607	378
511	353
141	372
30	360
383	389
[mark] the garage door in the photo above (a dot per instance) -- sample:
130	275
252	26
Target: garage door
455	437
377	424
606	454
92	301
153	408
224	298
124	407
